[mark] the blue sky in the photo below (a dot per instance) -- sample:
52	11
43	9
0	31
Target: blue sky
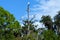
16	7
37	8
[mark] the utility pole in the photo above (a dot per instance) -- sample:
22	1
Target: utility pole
28	11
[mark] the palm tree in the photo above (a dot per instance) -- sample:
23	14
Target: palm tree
47	21
57	22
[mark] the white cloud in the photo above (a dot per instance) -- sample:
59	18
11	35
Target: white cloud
45	7
26	17
39	25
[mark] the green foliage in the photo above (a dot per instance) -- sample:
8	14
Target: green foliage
47	21
57	22
7	25
58	38
31	25
49	35
32	36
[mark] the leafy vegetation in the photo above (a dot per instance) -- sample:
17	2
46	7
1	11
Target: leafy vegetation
10	28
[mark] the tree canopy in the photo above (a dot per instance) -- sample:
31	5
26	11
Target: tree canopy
7	25
10	28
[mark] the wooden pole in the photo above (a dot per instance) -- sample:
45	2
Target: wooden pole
28	11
